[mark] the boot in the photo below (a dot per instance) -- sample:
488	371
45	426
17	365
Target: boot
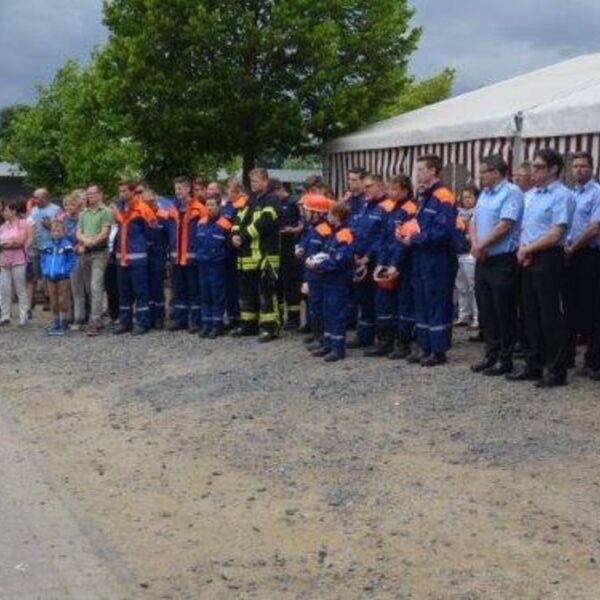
316	326
400	351
385	344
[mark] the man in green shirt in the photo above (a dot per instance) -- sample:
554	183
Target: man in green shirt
92	236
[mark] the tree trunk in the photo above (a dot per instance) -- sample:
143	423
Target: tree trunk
249	163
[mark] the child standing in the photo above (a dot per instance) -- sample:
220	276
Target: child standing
210	246
335	266
57	262
465	278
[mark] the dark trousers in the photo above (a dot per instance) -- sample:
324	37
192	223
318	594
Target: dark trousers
582	297
112	288
157	270
290	281
186	296
232	291
364	296
212	293
258	300
496	282
543	312
133	289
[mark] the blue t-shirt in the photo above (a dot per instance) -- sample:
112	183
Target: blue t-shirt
547	207
503	202
43	240
587	210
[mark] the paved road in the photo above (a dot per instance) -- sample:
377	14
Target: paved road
47	550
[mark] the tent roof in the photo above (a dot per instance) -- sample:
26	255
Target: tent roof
492	111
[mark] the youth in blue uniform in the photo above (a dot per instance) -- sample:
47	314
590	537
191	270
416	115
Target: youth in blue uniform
158	254
335	266
394	306
366	229
434	263
311	244
210	246
547	218
131	246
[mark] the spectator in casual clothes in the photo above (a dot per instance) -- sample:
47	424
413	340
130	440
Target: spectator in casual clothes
465	278
72	208
42	213
92	234
13	260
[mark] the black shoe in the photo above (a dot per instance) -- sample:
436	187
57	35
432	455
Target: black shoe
333	357
159	324
193	329
314	346
382	349
501	368
121	329
476	338
486	363
204	332
319	352
594	375
356	343
552	380
399	352
173	326
139	330
416	358
243	332
524	374
434	360
584	371
266	336
291	325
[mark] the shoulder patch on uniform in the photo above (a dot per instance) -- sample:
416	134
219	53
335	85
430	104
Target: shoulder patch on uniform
444	195
387	205
410	208
344	236
323	229
224	223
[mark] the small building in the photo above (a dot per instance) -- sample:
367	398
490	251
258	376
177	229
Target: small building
12	182
556	107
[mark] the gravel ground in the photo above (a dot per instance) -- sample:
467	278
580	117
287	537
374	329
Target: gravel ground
229	469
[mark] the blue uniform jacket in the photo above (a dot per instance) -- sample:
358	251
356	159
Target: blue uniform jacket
392	251
58	260
159	236
339	246
131	243
211	240
436	216
366	229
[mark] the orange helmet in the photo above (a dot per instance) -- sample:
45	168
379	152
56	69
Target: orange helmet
408	229
316	203
387	284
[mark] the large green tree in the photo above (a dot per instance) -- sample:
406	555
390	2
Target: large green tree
71	136
254	78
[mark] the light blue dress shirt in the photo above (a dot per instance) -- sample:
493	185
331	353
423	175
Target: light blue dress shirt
587	210
547	207
503	202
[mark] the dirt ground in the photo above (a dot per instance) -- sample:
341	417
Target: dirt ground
229	469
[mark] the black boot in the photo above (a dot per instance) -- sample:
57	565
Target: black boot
400	351
385	344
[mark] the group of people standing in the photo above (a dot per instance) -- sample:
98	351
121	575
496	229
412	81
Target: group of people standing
387	260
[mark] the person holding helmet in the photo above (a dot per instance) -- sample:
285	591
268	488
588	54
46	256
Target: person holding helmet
393	299
316	207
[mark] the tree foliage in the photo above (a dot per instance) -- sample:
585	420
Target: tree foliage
71	136
253	78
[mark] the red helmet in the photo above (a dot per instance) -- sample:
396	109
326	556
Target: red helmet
316	203
388	284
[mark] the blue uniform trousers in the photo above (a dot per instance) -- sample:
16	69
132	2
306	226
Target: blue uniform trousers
186	296
212	293
336	290
405	309
386	311
232	286
432	280
133	288
157	264
364	296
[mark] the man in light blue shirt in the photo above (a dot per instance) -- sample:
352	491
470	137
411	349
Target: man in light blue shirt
494	243
583	267
546	221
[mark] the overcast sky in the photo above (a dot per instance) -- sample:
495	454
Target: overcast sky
485	40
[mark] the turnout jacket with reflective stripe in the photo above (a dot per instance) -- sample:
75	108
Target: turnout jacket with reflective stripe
258	225
131	243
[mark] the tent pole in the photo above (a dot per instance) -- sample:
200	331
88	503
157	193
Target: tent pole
517	143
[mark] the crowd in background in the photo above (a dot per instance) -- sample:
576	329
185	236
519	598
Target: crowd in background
400	263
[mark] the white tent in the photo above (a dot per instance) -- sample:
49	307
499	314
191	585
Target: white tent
558	106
